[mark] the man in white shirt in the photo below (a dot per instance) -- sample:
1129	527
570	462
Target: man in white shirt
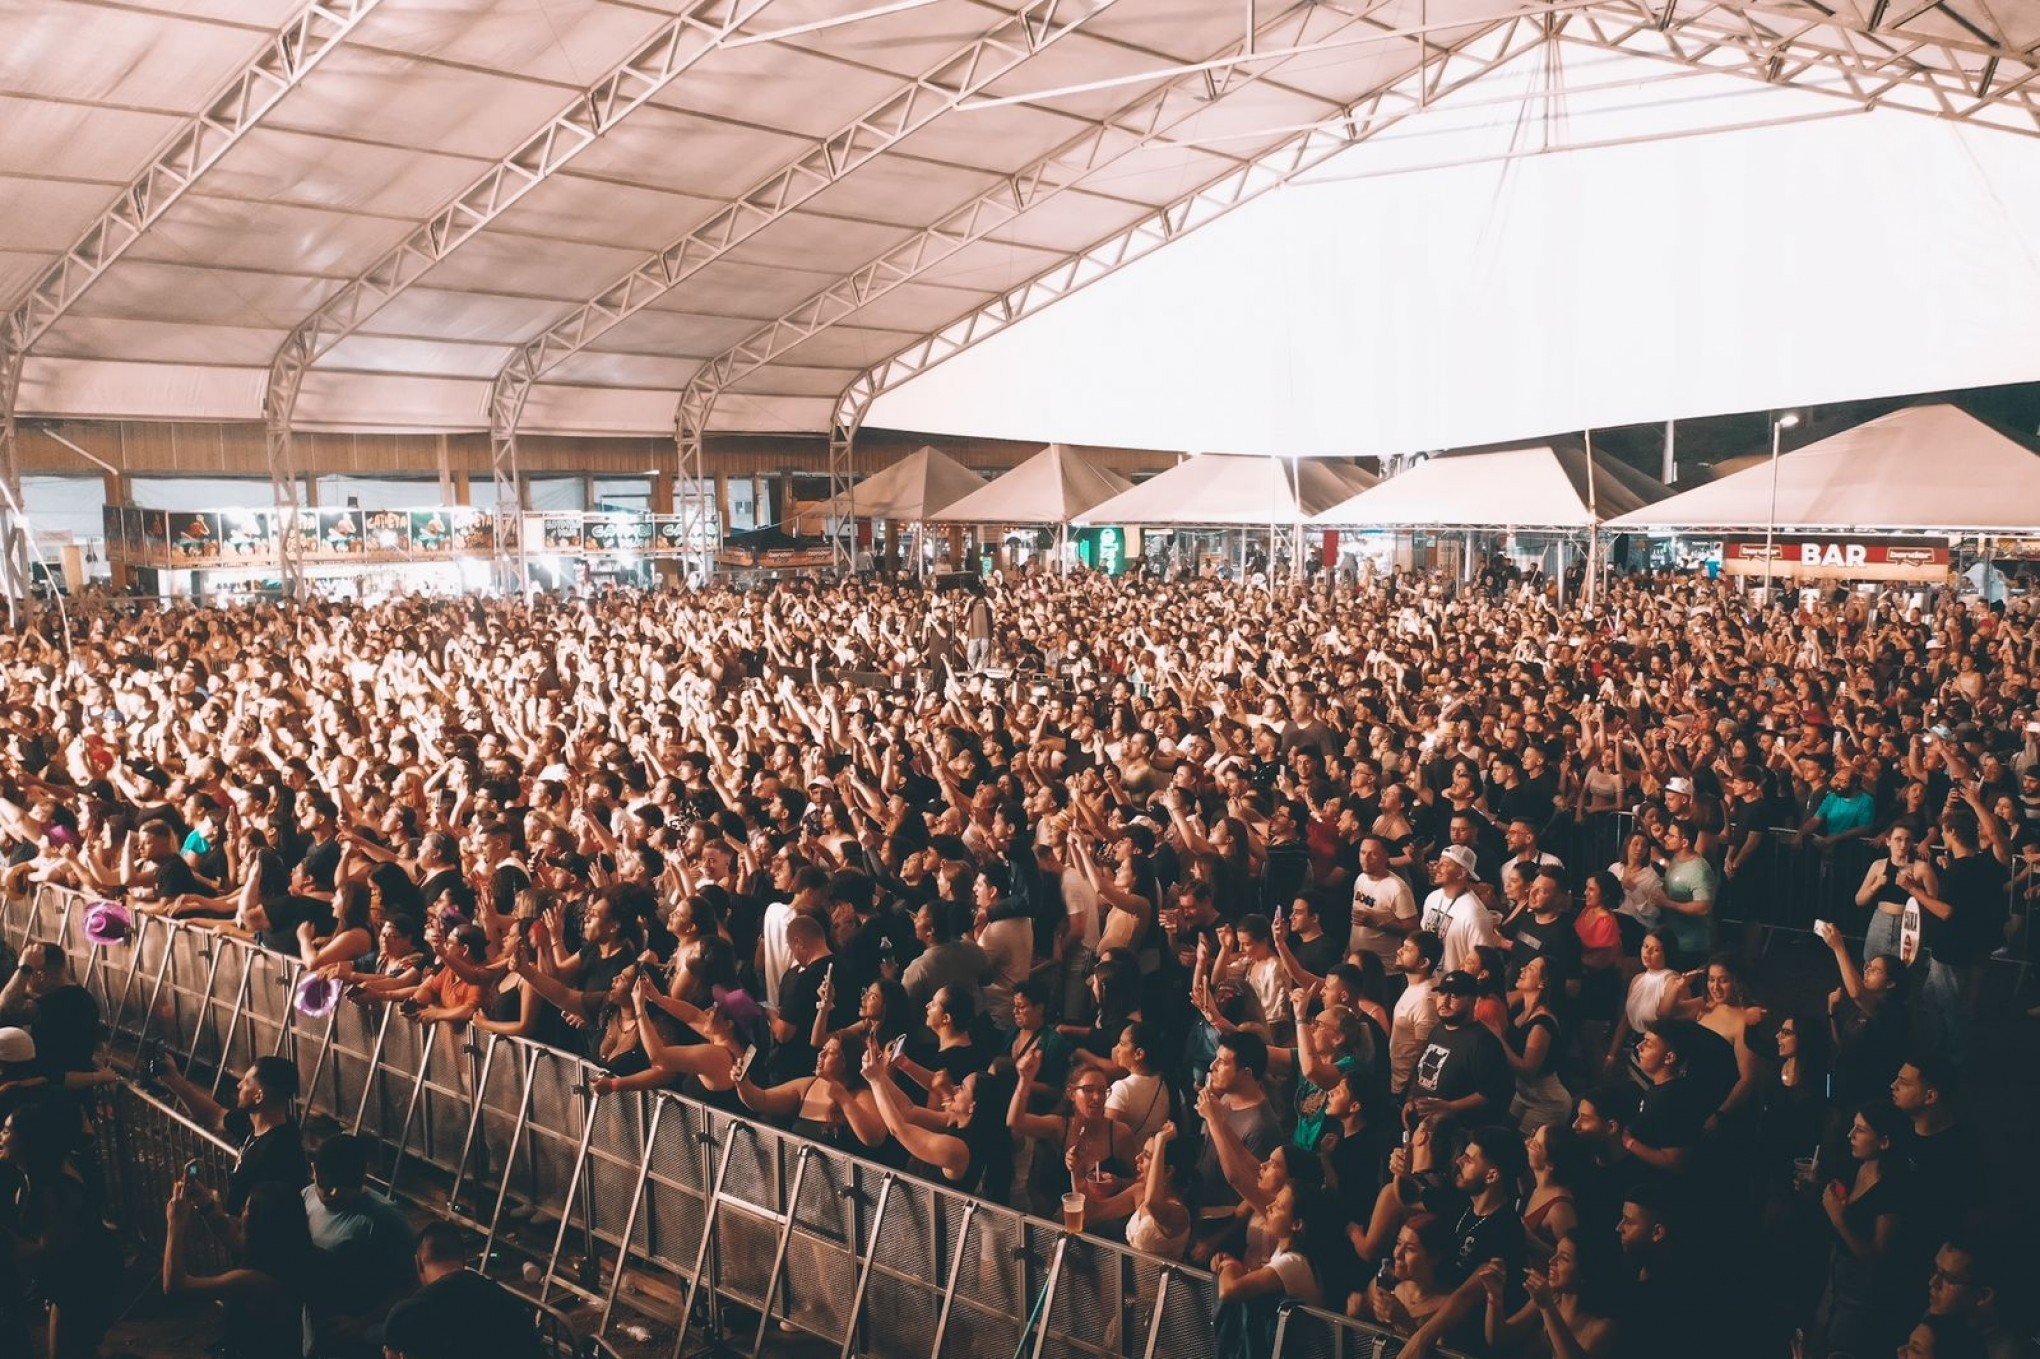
1454	912
1384	908
809	888
1415	1013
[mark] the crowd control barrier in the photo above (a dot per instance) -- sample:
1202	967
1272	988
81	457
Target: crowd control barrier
649	1213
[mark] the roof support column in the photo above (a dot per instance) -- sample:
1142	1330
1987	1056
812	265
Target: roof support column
15	547
690	440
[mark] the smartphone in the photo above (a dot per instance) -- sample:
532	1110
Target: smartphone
191	1171
896	1047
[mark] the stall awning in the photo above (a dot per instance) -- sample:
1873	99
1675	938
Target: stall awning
1925	467
1052	487
1225	490
1535	487
912	489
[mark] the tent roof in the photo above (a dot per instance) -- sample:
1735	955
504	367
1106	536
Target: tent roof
1228	490
651	186
1535	487
1052	487
1924	467
914	488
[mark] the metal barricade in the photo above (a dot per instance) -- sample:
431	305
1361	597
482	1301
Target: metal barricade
652	1206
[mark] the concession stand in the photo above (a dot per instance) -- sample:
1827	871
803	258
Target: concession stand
1911	497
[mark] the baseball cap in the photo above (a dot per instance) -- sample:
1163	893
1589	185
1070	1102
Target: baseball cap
16	1045
1460	983
1682	786
1464	857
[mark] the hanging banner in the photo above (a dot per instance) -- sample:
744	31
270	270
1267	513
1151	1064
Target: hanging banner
431	534
558	532
387	535
1801	557
341	535
669	535
246	537
194	539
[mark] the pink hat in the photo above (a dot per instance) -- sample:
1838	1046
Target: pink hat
108	922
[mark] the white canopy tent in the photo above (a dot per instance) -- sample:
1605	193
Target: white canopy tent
1923	468
1540	487
1227	490
912	489
1052	487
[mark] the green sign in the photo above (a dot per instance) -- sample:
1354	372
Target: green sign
1103	549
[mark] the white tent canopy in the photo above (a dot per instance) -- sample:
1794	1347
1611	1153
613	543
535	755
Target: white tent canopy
1537	487
1924	467
1230	490
912	489
1052	487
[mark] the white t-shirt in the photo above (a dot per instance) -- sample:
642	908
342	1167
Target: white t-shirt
1416	1014
1389	893
1463	923
778	953
1269	981
1080	901
1010	946
1140	1102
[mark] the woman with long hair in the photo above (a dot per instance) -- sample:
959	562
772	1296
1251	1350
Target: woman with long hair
1558	1161
1868	1026
1568	1316
1533	1042
1860	1309
1653	995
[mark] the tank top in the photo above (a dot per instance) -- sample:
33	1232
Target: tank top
1646	995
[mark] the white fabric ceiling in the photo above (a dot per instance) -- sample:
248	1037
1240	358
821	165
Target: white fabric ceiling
424	95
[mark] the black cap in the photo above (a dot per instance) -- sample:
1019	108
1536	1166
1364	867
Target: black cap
1458	983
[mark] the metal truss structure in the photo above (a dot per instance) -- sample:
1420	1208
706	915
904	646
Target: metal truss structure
1971	61
1444	68
1971	77
919	102
677	46
1098	146
281	66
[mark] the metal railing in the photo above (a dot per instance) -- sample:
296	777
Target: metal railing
144	1145
650	1212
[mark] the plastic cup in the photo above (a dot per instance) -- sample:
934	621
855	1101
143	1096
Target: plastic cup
1073	1212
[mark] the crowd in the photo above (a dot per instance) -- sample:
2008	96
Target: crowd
1298	933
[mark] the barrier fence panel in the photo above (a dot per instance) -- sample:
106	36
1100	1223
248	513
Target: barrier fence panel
656	1205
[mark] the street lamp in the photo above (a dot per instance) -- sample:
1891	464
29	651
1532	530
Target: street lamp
1778	428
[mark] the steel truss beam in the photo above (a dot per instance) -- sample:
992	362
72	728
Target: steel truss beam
1443	68
656	63
280	67
1802	46
1003	49
1130	129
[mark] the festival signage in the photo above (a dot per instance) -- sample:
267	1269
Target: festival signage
386	535
1803	557
618	533
431	534
669	535
194	539
342	535
474	531
245	537
559	532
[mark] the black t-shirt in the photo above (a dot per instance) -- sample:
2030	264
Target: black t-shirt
274	1157
461	1315
1976	888
1673	1115
1476	1239
174	877
1317	956
1458	1062
66	1031
1947	1181
321	861
1557	943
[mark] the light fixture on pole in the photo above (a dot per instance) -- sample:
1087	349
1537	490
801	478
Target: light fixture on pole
1778	427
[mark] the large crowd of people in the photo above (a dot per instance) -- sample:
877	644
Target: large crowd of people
1363	943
